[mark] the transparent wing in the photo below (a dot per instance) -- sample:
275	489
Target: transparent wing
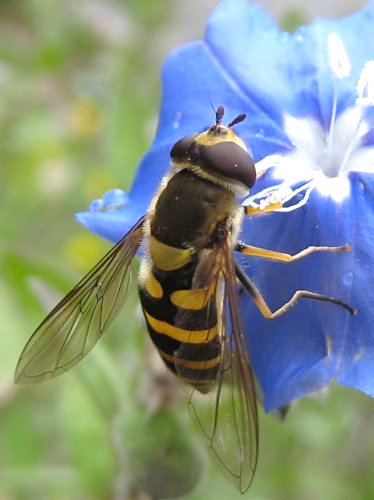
227	417
74	326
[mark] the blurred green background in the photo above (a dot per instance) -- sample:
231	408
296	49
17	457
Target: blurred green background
79	93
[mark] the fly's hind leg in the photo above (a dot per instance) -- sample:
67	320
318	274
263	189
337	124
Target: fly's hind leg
260	302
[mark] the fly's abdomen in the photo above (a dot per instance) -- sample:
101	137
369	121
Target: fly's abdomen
182	322
182	319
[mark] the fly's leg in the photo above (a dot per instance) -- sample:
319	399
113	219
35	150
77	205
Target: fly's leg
278	198
280	256
260	302
285	257
257	210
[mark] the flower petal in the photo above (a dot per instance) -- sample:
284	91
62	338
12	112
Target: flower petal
284	71
356	367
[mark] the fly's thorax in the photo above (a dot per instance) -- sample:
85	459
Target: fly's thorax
219	155
188	212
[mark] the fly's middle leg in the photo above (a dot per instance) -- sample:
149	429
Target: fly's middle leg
286	257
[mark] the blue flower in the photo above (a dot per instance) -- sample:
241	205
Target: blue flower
309	101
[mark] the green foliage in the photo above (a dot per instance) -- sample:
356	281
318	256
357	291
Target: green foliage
78	101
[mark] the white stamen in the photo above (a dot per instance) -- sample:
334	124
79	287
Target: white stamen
268	162
365	98
341	67
365	85
330	137
338	58
355	138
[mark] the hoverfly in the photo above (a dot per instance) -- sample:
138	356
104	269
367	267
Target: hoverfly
188	287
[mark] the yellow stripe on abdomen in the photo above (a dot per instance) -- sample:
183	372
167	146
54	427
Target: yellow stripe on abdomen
152	286
180	334
190	299
167	258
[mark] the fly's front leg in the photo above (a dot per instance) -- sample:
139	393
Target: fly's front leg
285	257
250	210
277	198
265	310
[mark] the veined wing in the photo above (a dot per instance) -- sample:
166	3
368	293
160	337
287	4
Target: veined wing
74	326
227	417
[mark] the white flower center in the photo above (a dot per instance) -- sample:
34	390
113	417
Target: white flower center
327	156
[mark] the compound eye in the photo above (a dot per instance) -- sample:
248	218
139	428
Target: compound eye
230	160
181	148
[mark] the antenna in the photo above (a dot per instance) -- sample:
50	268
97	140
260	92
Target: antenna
219	114
237	120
